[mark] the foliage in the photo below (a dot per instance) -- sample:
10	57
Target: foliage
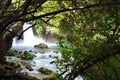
91	44
38	26
12	52
25	55
16	64
61	40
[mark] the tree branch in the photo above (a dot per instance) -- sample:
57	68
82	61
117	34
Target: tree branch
25	30
96	60
47	23
14	34
67	9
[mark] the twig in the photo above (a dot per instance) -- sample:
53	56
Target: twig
25	30
46	22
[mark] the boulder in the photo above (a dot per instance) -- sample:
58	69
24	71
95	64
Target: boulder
27	66
44	70
49	74
41	45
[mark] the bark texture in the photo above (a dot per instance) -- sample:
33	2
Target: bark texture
7	39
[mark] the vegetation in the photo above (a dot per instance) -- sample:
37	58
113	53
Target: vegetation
87	31
12	52
92	40
16	64
25	55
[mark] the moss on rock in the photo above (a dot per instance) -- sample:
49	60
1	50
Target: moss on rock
50	75
27	66
41	45
25	55
12	52
16	64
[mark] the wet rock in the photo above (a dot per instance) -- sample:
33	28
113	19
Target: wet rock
34	55
9	58
50	56
56	52
30	51
44	70
27	66
41	45
50	75
52	62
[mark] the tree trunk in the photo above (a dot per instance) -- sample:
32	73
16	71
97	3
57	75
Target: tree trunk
6	41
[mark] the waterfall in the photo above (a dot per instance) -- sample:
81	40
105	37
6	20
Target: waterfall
41	60
28	38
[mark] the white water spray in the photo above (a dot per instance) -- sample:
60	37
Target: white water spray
29	40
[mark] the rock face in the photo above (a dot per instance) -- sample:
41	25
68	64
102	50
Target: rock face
41	45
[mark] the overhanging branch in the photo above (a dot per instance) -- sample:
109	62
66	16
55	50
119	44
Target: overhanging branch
14	34
25	30
67	9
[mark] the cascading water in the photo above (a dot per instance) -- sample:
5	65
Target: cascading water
28	38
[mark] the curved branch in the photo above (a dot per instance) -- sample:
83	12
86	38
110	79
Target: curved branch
67	9
25	30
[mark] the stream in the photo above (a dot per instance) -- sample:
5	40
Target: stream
42	57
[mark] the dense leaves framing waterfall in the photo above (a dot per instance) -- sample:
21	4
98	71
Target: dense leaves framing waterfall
88	33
